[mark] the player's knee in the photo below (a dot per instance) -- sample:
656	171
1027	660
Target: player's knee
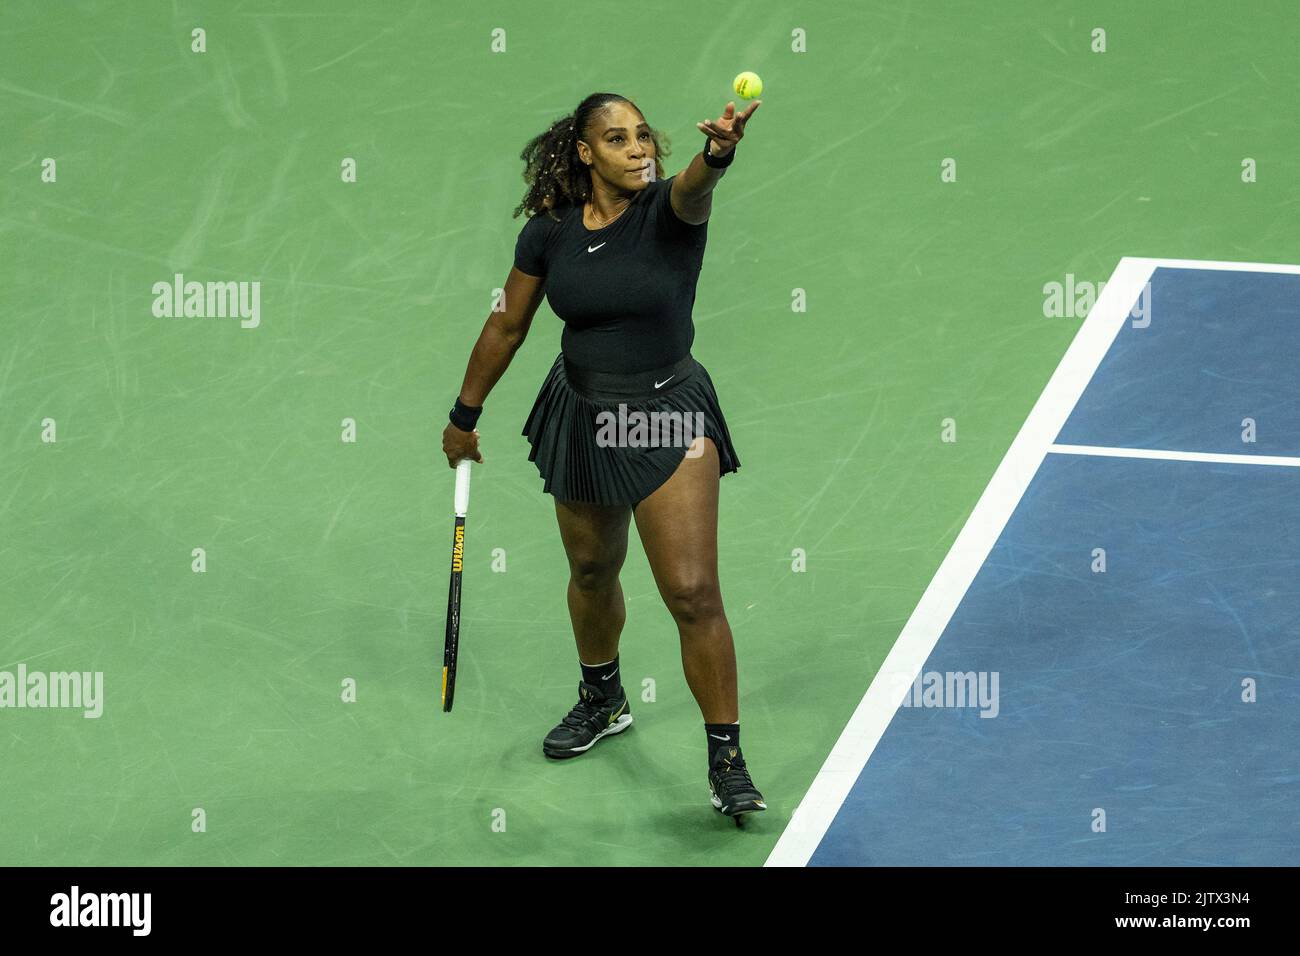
593	574
691	601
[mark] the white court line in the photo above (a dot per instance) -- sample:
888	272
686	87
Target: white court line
1219	266
844	764
1162	455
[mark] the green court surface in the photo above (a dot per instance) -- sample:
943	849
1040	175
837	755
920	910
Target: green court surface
326	560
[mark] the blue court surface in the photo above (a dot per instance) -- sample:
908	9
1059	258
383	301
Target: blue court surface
1106	668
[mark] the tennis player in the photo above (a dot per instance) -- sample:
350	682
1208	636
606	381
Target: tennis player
618	250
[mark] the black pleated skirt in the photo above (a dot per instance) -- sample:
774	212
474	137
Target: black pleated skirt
612	439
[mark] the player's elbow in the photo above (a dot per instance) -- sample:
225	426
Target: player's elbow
509	331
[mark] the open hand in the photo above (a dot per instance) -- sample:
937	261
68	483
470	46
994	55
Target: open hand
728	129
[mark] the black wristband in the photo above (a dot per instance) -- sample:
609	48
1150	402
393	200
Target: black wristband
714	161
463	416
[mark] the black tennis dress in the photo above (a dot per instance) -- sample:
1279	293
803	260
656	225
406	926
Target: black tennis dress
625	401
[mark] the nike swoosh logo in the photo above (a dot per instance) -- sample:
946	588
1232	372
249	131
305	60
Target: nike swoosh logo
610	674
716	737
594	248
614	716
661	385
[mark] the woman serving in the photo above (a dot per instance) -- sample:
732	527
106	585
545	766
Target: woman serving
626	424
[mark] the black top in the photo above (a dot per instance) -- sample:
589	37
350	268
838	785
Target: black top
625	291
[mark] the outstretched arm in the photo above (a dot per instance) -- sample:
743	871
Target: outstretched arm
692	195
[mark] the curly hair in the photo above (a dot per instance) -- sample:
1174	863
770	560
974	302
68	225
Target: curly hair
554	173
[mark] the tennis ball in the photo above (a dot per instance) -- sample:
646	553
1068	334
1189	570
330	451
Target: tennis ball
747	85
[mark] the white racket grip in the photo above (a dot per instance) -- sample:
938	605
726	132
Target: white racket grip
462	487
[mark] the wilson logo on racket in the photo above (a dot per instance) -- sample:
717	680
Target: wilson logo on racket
458	550
451	648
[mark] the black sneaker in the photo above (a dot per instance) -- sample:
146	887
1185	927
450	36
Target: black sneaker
591	718
730	788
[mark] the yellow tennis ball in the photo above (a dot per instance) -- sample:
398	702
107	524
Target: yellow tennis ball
747	85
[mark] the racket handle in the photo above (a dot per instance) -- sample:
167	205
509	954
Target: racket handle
462	487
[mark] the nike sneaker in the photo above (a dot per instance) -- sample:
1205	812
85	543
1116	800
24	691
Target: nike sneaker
591	718
732	791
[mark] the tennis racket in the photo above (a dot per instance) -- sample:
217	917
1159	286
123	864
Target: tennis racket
452	646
